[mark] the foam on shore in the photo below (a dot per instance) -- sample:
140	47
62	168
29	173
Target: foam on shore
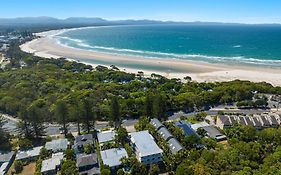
47	46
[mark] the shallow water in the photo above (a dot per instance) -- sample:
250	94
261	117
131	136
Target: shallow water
237	44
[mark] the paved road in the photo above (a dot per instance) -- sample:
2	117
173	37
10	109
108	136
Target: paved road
53	129
10	126
129	122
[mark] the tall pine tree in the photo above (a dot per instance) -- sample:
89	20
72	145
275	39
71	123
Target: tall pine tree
88	114
149	104
24	126
115	112
61	113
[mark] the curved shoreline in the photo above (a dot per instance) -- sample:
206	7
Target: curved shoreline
47	46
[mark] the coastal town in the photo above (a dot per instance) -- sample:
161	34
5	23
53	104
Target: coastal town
109	149
147	143
72	102
103	149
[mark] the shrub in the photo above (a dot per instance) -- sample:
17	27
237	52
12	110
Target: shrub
18	165
24	143
88	149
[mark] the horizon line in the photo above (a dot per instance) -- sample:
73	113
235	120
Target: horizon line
143	19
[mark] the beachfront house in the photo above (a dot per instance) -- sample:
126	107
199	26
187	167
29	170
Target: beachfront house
59	145
106	136
88	164
146	150
29	155
81	141
52	166
112	157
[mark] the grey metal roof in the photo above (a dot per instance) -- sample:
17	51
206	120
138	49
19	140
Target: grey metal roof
174	145
225	120
106	136
84	140
242	121
249	121
213	132
165	133
4	168
52	163
144	143
86	159
273	120
257	122
264	121
93	171
57	145
29	153
276	116
232	120
156	123
6	157
111	157
199	125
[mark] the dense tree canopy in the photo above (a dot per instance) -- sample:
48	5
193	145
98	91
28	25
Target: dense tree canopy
249	152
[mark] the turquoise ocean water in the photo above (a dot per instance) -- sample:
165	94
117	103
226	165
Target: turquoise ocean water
238	44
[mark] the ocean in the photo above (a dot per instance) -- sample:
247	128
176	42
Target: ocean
254	45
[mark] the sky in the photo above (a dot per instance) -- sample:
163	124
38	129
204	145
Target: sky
241	11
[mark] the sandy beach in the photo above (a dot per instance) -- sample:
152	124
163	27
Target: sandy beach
48	47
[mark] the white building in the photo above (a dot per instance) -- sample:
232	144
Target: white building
4	168
146	150
112	157
6	160
106	136
51	166
29	155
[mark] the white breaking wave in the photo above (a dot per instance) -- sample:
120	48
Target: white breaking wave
237	46
150	54
70	39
